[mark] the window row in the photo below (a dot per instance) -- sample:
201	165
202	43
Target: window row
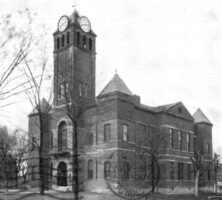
63	40
183	171
82	41
107	132
83	90
107	169
180	140
178	172
63	90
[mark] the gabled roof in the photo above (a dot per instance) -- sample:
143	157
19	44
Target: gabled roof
116	84
200	117
177	109
165	108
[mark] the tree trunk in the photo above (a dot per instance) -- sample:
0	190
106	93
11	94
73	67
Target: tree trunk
16	180
75	162
197	182
152	175
41	161
215	185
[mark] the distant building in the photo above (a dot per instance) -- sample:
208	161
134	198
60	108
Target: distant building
114	122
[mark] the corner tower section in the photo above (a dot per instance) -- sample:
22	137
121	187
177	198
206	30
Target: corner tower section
74	59
203	145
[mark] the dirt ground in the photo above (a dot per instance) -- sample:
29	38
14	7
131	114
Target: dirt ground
50	195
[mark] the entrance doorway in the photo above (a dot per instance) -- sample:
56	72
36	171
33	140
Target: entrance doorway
62	174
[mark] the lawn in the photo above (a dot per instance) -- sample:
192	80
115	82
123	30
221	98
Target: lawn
50	195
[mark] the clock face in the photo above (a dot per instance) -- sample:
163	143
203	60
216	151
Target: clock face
63	23
85	24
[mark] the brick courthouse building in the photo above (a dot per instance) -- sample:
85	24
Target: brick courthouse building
114	123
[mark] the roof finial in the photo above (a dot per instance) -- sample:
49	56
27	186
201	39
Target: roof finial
74	5
116	73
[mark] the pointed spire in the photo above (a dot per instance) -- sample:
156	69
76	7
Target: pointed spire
116	84
75	16
200	117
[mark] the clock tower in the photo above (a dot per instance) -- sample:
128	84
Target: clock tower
74	59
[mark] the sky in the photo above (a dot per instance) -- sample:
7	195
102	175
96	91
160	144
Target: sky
165	51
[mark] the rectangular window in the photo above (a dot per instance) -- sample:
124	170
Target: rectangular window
61	90
208	148
148	134
78	38
180	140
66	88
90	44
33	172
188	171
51	140
126	170
107	131
172	170
208	174
171	139
188	141
125	132
86	90
33	142
180	171
80	89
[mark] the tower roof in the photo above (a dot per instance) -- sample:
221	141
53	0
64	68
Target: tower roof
200	117
116	84
75	16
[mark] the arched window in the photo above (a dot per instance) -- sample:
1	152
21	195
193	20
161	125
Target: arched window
63	40
90	169
58	43
62	174
84	41
90	44
126	170
62	136
68	37
78	38
51	140
106	169
62	90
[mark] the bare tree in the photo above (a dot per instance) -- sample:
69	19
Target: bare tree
7	144
42	108
143	155
74	111
197	162
155	141
20	155
216	166
15	46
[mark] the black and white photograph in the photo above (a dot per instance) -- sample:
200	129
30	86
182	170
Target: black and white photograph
110	100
